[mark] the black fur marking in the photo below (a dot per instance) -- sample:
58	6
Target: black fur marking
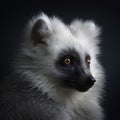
73	75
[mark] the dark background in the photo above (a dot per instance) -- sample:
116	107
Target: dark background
15	15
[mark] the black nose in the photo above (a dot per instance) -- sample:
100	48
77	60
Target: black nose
90	81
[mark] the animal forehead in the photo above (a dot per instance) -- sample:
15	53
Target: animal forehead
70	51
69	46
64	40
79	55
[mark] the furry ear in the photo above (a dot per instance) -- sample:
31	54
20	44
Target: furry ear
92	28
88	27
39	31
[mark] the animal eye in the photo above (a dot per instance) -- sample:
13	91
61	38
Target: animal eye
88	61
67	61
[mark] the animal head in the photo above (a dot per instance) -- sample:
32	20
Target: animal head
64	54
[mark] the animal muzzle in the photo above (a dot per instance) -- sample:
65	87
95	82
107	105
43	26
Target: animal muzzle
83	85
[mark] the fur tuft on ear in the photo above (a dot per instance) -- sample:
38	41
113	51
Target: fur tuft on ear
88	27
92	28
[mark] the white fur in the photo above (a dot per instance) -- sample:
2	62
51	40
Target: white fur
36	64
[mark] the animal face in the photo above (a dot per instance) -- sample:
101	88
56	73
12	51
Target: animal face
65	53
75	70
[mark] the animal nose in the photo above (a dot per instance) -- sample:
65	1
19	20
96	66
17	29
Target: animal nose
90	80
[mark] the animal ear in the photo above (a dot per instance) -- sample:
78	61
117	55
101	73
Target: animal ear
39	32
88	27
92	28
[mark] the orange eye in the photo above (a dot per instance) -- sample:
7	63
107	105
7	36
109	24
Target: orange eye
67	61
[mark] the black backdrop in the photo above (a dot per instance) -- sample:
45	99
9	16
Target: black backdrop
14	16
